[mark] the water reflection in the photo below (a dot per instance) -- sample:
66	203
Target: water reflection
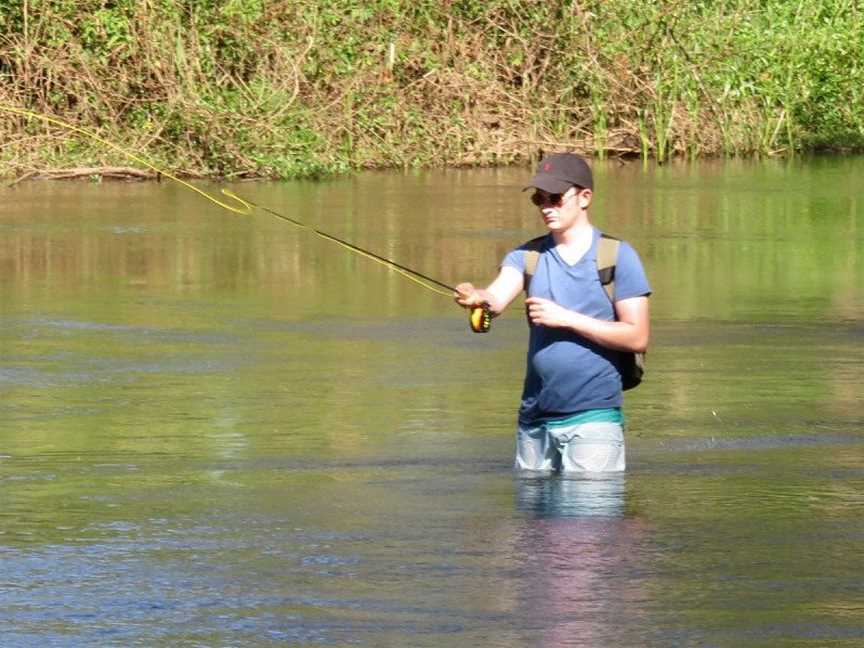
582	558
571	497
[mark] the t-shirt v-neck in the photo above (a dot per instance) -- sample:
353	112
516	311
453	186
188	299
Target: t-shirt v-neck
585	256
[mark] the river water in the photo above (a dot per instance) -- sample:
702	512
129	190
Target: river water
219	430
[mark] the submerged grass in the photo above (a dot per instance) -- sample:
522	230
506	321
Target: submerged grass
300	88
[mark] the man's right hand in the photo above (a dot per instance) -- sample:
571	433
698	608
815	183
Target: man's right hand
468	296
496	296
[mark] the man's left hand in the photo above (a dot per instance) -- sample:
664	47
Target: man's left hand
544	312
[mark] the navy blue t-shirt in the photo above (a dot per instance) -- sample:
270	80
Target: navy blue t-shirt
567	373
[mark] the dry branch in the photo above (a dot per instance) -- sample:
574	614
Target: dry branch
114	172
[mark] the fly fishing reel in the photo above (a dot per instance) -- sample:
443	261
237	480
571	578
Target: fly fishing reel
480	318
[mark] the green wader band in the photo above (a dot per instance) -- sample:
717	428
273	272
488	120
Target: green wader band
610	415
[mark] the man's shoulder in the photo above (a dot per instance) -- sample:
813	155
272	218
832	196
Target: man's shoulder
612	237
536	244
630	279
626	251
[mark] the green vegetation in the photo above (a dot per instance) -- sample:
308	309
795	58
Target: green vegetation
302	88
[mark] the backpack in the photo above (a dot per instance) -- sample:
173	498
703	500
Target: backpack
632	365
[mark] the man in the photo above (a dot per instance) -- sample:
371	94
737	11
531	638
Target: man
570	417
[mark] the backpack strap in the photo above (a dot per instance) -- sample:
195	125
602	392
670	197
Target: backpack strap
632	366
607	257
532	255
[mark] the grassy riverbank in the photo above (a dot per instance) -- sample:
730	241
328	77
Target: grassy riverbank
301	88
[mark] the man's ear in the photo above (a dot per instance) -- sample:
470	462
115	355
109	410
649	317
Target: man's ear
585	198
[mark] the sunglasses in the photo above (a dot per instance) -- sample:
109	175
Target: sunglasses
543	199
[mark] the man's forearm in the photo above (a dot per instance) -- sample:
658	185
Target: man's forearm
622	336
628	333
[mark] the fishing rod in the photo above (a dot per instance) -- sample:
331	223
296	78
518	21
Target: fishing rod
410	273
479	317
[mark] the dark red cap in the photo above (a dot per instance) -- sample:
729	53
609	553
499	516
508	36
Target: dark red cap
558	172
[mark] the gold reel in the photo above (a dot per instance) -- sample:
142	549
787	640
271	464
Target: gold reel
480	318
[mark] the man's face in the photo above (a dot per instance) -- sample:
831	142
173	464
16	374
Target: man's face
560	211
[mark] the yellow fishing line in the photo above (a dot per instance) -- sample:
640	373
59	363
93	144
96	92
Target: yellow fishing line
245	211
246	205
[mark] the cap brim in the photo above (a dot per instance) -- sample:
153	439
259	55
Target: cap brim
548	184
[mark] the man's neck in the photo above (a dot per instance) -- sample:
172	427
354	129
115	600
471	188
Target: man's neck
574	242
575	235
